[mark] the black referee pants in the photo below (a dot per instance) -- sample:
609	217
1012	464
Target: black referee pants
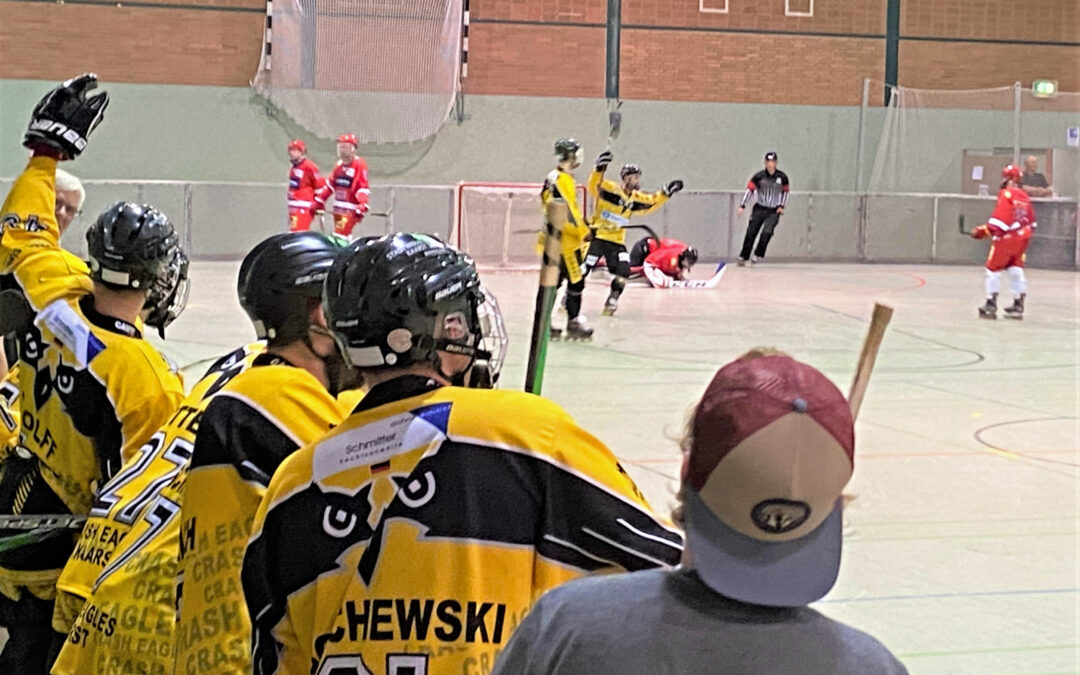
763	220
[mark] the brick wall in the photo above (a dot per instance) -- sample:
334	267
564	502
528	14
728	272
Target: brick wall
687	66
133	44
561	11
938	65
670	49
830	16
528	60
1038	20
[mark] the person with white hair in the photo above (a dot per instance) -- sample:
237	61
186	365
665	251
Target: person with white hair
70	196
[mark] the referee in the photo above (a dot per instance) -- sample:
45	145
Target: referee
770	189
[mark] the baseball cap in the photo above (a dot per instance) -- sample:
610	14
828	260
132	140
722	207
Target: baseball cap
770	156
772	448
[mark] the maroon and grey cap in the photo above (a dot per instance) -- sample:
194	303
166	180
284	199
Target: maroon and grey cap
773	447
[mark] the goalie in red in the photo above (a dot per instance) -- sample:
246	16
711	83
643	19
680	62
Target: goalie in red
1010	228
349	184
305	187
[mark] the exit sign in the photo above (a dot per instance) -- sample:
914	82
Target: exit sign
1044	88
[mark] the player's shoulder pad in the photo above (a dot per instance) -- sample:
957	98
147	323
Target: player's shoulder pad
505	418
284	394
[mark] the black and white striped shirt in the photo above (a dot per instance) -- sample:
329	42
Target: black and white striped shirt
770	190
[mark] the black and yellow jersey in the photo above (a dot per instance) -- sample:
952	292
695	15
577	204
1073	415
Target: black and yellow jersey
256	421
84	412
30	252
416	535
124	564
614	208
91	390
9	410
561	185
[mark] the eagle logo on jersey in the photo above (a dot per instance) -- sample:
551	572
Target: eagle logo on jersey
391	449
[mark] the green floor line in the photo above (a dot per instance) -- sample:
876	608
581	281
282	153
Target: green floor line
893	523
999	650
856	539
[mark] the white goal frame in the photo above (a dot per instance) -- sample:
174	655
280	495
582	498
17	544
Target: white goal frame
459	238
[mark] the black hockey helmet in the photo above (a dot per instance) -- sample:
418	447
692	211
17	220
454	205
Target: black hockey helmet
130	246
688	258
629	170
169	293
567	148
402	298
281	279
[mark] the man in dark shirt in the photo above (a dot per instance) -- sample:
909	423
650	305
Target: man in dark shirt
1035	184
770	190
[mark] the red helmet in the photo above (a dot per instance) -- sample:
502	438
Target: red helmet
297	144
1011	172
347	138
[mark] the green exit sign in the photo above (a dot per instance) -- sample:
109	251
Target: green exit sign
1044	88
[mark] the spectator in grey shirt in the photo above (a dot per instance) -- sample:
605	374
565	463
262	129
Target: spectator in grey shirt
768	452
1033	182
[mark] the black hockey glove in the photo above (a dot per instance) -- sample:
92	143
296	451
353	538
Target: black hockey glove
65	118
673	187
603	160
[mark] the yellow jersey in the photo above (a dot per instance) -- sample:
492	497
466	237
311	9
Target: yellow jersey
256	421
91	390
416	535
9	410
30	252
124	564
614	208
561	185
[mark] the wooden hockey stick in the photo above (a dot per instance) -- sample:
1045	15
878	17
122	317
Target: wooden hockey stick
879	321
557	211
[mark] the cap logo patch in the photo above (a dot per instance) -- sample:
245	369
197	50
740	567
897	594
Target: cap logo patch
777	516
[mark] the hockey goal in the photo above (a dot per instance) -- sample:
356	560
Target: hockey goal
497	224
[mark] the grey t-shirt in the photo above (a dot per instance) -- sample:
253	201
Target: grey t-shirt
661	622
1034	180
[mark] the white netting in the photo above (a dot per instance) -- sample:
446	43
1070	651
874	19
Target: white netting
498	223
957	141
385	70
923	127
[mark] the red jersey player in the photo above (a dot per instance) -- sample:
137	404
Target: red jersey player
349	184
305	187
1010	228
665	263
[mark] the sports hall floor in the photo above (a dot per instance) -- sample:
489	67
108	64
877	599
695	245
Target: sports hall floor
962	550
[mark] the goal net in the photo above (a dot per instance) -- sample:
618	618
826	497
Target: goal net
498	224
385	70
